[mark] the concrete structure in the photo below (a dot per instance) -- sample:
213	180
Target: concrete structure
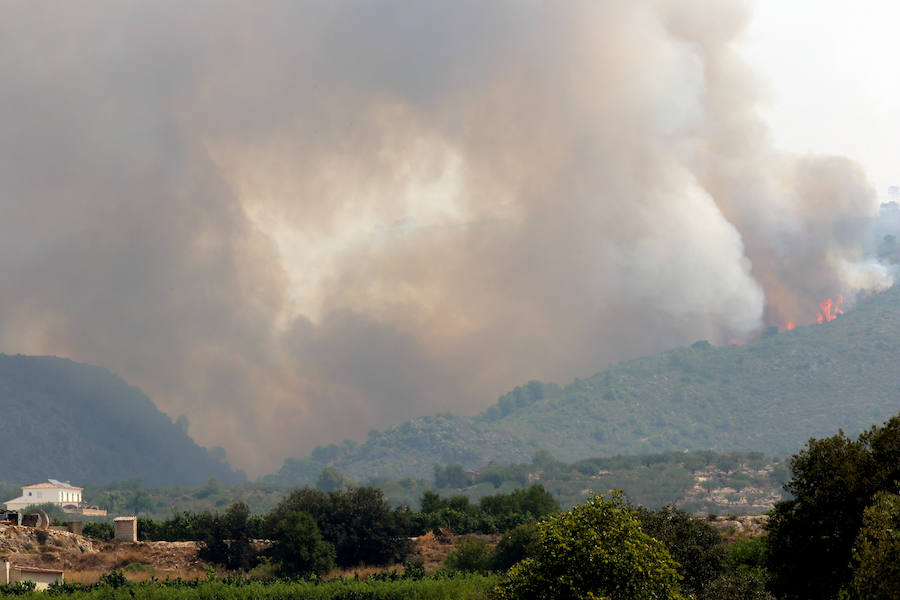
62	493
125	529
41	577
76	527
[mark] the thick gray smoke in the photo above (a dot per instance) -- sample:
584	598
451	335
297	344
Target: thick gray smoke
294	222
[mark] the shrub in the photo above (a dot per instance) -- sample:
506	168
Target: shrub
99	531
471	555
299	549
693	543
515	545
596	550
876	552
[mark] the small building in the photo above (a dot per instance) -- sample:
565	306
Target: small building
62	493
41	577
125	529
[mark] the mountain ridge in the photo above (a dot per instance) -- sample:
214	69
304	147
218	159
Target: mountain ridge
82	423
769	396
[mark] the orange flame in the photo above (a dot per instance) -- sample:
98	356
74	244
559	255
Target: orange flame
829	310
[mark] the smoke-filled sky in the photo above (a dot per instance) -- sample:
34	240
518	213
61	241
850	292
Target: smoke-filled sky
293	222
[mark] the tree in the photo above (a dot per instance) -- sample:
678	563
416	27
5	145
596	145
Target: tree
299	548
694	543
834	479
876	552
471	555
451	476
358	522
226	538
515	545
365	529
330	479
596	550
535	501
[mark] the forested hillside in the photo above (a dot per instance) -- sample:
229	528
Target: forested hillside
72	421
770	396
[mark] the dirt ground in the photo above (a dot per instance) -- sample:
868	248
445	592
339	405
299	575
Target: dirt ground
84	560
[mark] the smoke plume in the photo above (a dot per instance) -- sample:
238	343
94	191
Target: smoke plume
294	222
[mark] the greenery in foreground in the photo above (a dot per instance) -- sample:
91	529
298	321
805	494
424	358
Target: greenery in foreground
114	586
835	539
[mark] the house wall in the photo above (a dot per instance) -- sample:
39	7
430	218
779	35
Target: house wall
43	495
12	574
42	580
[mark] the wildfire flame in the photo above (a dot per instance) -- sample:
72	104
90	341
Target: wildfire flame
829	310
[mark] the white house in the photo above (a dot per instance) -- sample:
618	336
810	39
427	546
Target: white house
41	577
54	492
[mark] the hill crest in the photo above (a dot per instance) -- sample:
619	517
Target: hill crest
82	423
769	396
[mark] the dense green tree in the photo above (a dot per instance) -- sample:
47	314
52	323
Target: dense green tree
515	545
451	476
226	538
330	479
535	502
876	552
432	502
299	548
811	536
99	530
595	550
693	543
358	522
471	555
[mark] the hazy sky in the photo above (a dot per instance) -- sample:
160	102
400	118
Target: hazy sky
831	70
294	222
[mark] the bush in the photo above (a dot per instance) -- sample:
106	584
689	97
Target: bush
515	545
876	552
596	550
471	555
811	536
358	522
226	538
299	549
99	531
693	543
736	586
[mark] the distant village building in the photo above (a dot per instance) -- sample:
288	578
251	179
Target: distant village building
63	494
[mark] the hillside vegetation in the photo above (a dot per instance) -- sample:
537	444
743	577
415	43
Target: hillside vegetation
697	482
769	396
72	421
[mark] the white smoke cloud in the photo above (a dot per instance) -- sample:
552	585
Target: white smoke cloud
295	222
